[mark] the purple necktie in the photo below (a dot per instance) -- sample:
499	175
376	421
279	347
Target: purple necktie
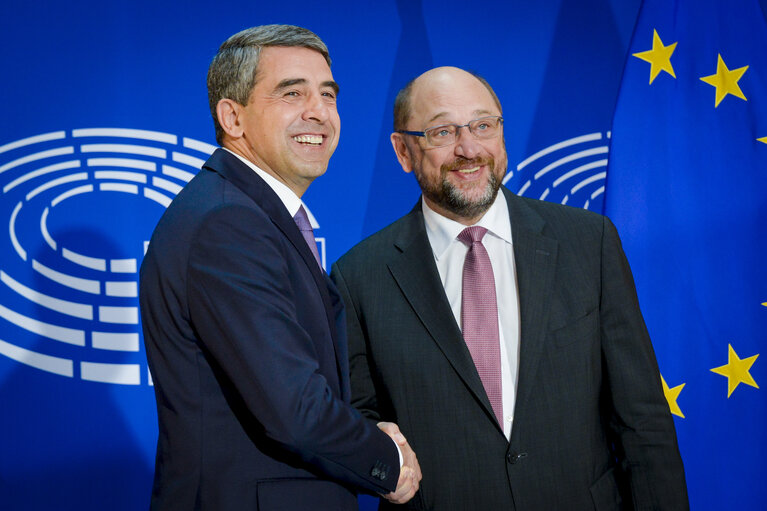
479	316
305	226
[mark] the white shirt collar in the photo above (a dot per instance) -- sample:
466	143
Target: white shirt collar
291	201
443	231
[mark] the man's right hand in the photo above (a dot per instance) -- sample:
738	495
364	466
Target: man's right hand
410	472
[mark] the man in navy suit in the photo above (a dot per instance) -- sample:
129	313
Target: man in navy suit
244	331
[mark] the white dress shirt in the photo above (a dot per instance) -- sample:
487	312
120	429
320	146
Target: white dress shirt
449	254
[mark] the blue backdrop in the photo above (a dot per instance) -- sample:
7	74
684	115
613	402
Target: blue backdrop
106	117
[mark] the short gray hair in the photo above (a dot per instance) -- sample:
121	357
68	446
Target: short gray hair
402	107
233	72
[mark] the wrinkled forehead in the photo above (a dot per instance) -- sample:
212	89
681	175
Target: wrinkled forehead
450	98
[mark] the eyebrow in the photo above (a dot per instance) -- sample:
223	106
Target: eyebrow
333	85
289	82
477	113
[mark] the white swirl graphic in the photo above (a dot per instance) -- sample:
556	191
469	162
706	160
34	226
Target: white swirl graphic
72	309
571	172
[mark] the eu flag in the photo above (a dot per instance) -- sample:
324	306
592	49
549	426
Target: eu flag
687	188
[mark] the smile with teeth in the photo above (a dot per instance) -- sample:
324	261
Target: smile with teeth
308	139
468	171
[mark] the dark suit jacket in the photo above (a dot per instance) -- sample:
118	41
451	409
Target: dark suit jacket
591	429
245	340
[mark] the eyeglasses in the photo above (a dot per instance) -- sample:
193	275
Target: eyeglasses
446	134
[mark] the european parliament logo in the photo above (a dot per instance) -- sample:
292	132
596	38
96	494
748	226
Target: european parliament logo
78	208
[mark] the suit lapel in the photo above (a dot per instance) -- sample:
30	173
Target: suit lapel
229	166
417	276
341	346
535	258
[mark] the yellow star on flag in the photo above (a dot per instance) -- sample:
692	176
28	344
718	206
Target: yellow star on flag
725	81
736	371
671	397
659	57
763	140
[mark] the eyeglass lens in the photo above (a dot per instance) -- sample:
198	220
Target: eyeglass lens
484	127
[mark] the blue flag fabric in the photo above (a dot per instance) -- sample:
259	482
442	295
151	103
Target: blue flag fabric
687	188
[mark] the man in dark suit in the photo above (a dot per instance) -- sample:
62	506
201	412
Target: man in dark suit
244	331
503	333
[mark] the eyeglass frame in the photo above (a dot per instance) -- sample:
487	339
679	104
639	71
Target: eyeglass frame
457	129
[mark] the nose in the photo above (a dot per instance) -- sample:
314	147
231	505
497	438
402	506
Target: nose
316	108
466	144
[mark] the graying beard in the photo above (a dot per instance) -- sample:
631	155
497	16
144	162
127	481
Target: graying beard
452	199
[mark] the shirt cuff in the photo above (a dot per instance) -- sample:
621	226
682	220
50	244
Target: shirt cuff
399	452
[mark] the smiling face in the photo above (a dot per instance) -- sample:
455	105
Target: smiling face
290	126
459	181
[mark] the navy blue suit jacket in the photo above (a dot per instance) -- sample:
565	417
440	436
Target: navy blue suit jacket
245	339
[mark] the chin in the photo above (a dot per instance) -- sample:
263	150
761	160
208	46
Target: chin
312	168
315	173
470	203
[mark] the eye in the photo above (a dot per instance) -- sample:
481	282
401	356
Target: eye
291	93
442	132
329	95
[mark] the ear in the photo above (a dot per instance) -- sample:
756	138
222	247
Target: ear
402	152
228	113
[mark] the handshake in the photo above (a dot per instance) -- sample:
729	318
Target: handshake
410	473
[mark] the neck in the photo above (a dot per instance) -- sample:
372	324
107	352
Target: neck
242	149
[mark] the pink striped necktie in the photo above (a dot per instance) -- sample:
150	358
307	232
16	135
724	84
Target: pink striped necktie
305	226
479	316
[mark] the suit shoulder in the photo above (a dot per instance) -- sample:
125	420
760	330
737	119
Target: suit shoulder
562	221
208	193
562	212
208	190
207	201
380	244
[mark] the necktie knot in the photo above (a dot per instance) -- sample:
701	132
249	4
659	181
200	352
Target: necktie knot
471	235
302	220
305	226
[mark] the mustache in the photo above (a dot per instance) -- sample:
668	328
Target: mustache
463	163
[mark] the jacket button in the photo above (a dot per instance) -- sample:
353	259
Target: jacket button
380	471
513	457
